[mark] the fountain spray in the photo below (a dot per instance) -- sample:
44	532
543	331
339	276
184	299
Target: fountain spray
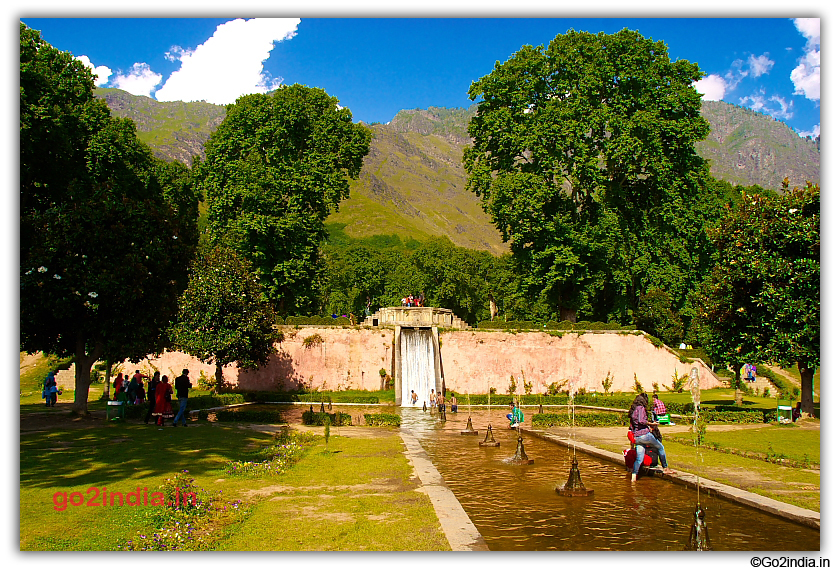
698	538
574	486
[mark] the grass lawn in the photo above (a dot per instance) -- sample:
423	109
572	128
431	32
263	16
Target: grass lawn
357	497
782	441
799	487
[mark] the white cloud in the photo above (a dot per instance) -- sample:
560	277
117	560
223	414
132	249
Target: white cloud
735	74
760	65
806	75
712	87
101	73
813	133
229	64
810	28
775	106
140	80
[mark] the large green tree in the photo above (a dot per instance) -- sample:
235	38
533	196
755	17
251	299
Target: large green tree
584	157
275	168
222	317
761	302
107	230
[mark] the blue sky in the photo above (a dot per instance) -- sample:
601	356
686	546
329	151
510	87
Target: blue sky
377	66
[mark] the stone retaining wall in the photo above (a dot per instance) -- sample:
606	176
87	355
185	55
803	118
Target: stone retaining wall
350	358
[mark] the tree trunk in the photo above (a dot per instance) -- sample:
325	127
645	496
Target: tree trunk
568	315
494	309
807	395
107	392
219	378
84	362
736	383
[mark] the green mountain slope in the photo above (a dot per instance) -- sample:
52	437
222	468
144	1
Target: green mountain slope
412	183
745	147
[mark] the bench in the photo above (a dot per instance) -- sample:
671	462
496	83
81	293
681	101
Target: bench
118	406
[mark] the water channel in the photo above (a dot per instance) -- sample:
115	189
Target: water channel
516	508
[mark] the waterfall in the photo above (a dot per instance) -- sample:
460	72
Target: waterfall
418	365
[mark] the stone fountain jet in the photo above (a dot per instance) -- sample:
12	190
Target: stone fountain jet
489	440
698	539
574	487
469	430
520	457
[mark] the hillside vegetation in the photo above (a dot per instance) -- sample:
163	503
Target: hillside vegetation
412	183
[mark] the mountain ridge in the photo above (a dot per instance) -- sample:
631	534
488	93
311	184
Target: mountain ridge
413	183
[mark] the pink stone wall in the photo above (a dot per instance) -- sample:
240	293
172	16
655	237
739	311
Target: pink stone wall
471	361
346	359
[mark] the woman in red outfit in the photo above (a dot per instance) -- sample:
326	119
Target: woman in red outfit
163	401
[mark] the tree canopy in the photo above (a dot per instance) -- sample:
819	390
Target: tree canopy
761	302
275	168
584	157
107	230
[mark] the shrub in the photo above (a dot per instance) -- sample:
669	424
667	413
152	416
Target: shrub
313	340
187	518
637	386
607	383
205	382
677	383
286	450
257	416
556	387
312	418
733	417
585	419
382	420
215	400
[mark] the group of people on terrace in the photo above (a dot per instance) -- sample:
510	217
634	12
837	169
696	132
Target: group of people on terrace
413	301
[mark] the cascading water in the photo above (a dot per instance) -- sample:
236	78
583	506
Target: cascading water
418	364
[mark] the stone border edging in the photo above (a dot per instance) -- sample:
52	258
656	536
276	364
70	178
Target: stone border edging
805	517
456	524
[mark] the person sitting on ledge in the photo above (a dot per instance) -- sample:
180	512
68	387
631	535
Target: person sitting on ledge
644	437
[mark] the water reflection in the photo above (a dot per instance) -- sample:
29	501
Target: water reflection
516	508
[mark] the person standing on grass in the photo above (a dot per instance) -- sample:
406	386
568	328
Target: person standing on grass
153	383
454	402
163	401
50	392
182	389
118	385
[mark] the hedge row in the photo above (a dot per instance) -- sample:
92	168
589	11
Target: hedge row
382	420
320	418
215	400
604	419
585	419
328	321
505	399
258	416
554	325
741	417
262	397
